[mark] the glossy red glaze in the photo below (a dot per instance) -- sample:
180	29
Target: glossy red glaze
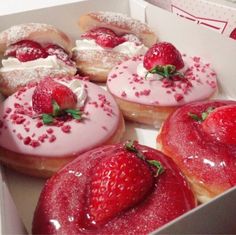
64	200
205	160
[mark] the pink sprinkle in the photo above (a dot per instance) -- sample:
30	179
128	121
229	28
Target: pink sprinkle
123	94
178	97
52	138
34	143
39	124
20	120
196	59
49	130
27	129
8	110
136	94
66	128
19	136
27	140
113	75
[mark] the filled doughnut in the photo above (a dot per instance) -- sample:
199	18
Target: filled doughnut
109	38
46	124
32	51
148	88
201	138
115	189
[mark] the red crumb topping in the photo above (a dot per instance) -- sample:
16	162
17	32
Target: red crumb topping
49	130
66	128
178	97
52	138
27	140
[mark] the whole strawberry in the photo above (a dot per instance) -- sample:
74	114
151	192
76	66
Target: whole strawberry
221	124
164	59
53	99
118	183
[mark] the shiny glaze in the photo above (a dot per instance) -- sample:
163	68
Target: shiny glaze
198	83
203	158
67	138
63	202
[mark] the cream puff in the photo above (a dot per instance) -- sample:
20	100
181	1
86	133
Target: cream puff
48	123
32	51
148	88
201	138
108	38
125	188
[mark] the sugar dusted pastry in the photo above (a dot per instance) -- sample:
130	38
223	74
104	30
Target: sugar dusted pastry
47	124
109	38
148	88
32	51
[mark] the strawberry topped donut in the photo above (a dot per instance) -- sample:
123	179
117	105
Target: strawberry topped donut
201	138
32	51
125	188
46	124
148	88
109	38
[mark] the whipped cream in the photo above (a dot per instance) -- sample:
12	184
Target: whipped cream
79	90
141	71
128	48
51	62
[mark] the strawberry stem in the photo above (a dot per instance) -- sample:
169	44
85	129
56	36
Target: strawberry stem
166	71
203	116
129	145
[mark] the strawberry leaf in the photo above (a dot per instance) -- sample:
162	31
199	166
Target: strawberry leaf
76	114
158	165
55	109
195	117
47	118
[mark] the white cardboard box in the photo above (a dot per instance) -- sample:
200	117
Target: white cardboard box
218	15
189	38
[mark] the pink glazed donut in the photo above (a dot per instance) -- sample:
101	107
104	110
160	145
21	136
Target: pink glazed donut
150	100
32	147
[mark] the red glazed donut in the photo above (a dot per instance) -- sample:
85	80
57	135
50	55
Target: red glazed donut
113	190
32	51
45	125
200	138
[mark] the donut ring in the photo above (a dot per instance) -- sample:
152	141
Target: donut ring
170	197
34	148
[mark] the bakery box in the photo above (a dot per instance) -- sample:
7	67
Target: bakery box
216	216
218	15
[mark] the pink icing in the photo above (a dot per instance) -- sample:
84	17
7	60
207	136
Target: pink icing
198	83
22	132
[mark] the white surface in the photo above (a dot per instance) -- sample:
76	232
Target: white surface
189	38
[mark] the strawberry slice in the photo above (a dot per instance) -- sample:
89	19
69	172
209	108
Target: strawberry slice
163	57
26	50
117	184
104	37
51	97
60	53
221	124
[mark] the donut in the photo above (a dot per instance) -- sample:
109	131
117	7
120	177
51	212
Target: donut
46	124
113	189
32	51
147	97
200	138
107	39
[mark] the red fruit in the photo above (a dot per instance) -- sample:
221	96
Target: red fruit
118	183
163	53
104	37
221	124
49	91
60	53
26	50
233	34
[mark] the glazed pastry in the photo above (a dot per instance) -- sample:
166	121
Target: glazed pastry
115	189
149	88
32	51
47	124
201	139
109	38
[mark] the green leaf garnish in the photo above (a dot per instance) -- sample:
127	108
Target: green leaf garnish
166	71
203	116
56	110
129	145
47	118
75	113
195	117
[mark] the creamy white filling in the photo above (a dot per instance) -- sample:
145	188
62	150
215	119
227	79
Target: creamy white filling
128	48
51	62
142	72
79	90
